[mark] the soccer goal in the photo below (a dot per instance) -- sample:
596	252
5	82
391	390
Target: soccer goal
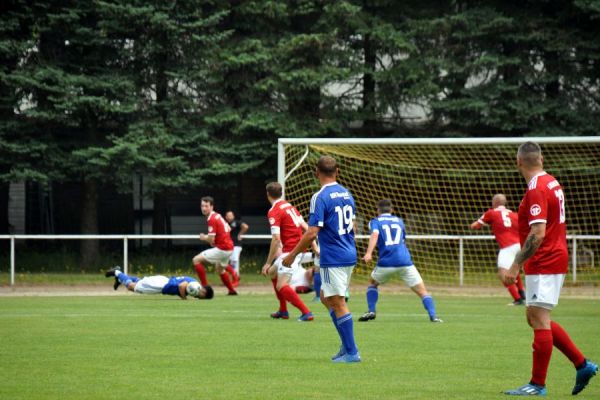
440	186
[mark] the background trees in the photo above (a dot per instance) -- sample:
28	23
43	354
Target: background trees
196	92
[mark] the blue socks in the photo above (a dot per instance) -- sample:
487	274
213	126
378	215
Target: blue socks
346	330
317	283
429	306
125	279
372	297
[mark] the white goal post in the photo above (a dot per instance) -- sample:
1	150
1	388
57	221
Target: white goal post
441	185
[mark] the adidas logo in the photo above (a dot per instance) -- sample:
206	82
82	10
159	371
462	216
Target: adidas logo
534	297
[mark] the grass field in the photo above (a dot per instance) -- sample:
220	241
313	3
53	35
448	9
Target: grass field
158	347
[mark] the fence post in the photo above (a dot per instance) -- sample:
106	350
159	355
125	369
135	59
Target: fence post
12	260
125	255
574	255
461	261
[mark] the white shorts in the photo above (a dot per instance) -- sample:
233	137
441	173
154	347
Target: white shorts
409	275
235	254
287	271
336	280
543	290
310	257
299	277
151	284
506	256
217	256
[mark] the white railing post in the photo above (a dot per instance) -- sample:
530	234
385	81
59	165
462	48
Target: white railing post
125	255
12	260
461	261
574	255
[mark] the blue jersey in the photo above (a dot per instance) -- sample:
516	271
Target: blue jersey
391	242
332	210
172	287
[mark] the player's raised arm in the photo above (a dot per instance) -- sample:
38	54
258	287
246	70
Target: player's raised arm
476	225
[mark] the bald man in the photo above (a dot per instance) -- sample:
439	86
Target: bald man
545	259
504	225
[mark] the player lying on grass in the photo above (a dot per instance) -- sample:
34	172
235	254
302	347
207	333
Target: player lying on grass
389	235
181	286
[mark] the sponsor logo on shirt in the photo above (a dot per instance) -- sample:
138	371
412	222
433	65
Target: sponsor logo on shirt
335	195
535	210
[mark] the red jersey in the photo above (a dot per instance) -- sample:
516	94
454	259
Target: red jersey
218	226
544	202
504	224
286	221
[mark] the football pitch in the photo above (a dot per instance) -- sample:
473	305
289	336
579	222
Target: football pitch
159	347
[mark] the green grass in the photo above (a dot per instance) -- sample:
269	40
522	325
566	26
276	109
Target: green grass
159	347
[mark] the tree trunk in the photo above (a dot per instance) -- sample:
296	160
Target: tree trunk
368	95
89	248
159	219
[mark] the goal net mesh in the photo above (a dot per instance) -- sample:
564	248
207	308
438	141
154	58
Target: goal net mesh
440	189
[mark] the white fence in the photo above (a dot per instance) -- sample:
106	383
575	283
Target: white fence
125	238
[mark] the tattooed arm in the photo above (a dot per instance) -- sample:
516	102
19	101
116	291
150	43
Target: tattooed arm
532	243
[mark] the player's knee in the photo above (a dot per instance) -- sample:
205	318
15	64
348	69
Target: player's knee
198	259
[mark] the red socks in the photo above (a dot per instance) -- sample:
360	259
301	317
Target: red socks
290	295
234	276
227	282
519	283
563	342
542	351
282	303
512	289
201	271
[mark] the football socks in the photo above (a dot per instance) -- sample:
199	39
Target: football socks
372	297
542	351
429	306
562	341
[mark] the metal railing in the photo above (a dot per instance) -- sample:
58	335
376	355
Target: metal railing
125	238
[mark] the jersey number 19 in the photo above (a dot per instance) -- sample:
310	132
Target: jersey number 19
345	217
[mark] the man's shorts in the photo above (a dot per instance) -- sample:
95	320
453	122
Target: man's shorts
506	256
543	290
217	256
151	284
409	275
287	271
335	280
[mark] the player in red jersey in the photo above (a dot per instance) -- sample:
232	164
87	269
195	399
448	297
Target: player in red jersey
222	246
504	225
543	236
287	226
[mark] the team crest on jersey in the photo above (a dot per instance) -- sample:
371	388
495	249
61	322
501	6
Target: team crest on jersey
271	220
535	210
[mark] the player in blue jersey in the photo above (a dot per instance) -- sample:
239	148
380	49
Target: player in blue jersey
181	286
389	235
331	219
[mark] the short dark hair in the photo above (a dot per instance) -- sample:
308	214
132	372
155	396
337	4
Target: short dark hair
210	293
327	165
384	206
208	199
530	153
274	189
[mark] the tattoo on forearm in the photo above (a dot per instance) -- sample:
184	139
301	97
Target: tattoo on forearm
529	248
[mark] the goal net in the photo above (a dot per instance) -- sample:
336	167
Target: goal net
440	186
